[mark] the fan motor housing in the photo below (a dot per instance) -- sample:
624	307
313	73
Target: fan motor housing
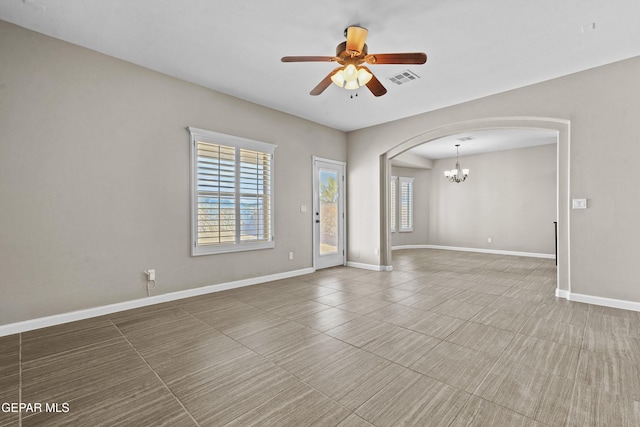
341	51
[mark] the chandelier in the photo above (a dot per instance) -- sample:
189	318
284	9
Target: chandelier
457	174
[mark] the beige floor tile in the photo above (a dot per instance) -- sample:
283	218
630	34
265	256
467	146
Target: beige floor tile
151	320
594	407
615	345
9	392
67	376
196	347
618	325
200	363
353	380
360	331
327	319
402	346
270	340
354	421
9	355
82	325
537	395
312	355
391	295
414	400
564	333
480	412
44	345
311	292
363	305
459	309
424	302
535	296
609	373
168	335
473	297
415	285
459	283
300	309
489	288
455	365
509	320
226	396
514	305
209	303
542	355
482	338
442	290
557	313
299	405
236	320
398	314
436	325
336	298
140	401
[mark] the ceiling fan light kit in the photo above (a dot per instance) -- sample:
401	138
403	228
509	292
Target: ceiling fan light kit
351	54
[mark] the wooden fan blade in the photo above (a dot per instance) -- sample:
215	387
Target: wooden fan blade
397	58
375	86
325	83
356	36
308	58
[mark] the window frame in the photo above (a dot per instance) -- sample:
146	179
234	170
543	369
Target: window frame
238	143
393	208
402	228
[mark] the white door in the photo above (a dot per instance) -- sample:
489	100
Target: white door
328	213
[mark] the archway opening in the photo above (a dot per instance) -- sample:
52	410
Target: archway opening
560	128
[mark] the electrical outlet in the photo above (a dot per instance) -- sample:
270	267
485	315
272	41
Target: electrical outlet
151	274
489	240
290	255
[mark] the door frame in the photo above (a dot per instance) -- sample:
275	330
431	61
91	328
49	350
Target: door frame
342	203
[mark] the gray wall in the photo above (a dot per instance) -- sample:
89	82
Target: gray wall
421	183
94	179
509	196
603	107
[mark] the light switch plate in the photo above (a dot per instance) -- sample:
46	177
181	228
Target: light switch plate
579	203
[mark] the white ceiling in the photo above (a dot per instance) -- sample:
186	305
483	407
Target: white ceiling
484	142
475	48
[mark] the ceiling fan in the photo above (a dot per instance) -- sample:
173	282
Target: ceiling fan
351	54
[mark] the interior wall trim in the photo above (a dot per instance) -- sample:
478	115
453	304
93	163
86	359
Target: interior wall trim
480	250
371	267
606	302
57	319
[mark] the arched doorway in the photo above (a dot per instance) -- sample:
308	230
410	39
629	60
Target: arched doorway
560	126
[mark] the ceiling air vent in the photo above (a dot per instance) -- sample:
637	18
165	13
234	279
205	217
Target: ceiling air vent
464	138
403	77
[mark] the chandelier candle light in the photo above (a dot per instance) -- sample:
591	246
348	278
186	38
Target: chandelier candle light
457	175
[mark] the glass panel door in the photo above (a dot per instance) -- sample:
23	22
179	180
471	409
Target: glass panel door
328	213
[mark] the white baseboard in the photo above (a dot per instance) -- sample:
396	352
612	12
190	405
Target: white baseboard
363	266
607	302
57	319
372	267
484	251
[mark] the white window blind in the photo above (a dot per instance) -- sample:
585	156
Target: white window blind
393	201
406	204
232	193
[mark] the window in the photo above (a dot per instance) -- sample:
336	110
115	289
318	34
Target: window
393	197
231	193
406	204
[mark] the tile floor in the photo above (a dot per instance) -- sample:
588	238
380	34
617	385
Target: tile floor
446	339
